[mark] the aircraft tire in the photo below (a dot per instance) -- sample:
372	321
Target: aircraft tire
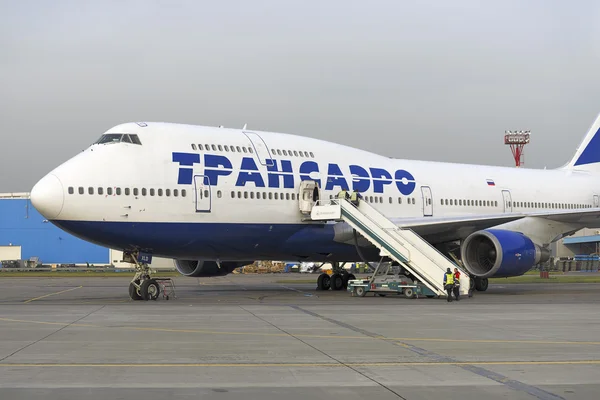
481	284
346	278
150	289
323	282
133	294
336	282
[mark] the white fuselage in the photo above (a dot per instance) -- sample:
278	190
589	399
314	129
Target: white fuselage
249	196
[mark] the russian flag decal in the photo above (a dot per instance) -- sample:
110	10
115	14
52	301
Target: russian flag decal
490	182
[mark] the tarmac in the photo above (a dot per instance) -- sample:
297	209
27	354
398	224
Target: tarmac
274	337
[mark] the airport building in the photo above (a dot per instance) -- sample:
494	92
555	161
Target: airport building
27	239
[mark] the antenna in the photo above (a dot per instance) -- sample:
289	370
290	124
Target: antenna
244	128
517	140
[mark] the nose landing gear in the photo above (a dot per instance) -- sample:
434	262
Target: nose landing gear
142	286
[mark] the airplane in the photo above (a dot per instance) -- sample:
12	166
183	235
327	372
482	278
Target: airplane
214	199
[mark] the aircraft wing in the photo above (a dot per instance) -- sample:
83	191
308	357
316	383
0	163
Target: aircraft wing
443	229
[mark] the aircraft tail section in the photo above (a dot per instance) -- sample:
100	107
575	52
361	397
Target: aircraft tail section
587	156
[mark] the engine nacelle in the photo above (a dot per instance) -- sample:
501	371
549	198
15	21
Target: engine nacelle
197	269
500	253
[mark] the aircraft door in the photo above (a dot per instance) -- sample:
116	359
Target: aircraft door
261	149
427	201
596	201
202	193
308	195
507	198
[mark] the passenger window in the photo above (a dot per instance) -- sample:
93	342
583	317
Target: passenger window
206	194
127	192
218	194
100	191
270	196
168	192
135	191
109	191
175	192
90	190
144	191
232	194
118	190
214	147
238	149
399	200
245	195
80	190
239	195
207	147
244	149
284	152
193	146
294	197
152	192
460	202
71	190
226	148
160	192
295	153
232	149
312	155
220	148
276	196
199	147
183	192
287	196
250	150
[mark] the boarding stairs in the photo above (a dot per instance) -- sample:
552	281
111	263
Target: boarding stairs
417	256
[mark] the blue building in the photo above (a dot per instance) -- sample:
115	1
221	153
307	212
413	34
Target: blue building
25	233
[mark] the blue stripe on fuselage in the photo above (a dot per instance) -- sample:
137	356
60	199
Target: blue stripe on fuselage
217	240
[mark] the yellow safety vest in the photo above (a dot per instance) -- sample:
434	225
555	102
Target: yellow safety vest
449	279
342	194
353	196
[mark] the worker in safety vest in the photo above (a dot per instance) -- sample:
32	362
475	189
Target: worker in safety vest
449	283
456	283
343	194
354	197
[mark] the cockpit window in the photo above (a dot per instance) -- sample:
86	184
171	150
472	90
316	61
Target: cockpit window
118	138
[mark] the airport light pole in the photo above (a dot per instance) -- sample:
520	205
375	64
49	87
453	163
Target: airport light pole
517	140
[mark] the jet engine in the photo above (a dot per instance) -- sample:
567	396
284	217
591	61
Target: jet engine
496	253
200	268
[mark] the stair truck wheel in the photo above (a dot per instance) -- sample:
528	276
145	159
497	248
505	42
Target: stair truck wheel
133	294
336	282
360	291
150	289
323	282
409	293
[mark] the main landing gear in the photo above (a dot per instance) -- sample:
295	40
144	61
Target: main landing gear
338	279
142	286
480	284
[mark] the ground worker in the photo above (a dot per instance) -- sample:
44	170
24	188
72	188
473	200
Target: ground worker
343	194
449	283
354	197
456	283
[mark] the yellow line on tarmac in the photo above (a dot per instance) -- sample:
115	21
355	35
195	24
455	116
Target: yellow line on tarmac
296	365
406	339
52	294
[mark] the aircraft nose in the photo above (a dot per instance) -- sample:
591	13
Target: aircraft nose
48	196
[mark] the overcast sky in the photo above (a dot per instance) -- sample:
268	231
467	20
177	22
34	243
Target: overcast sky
433	80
